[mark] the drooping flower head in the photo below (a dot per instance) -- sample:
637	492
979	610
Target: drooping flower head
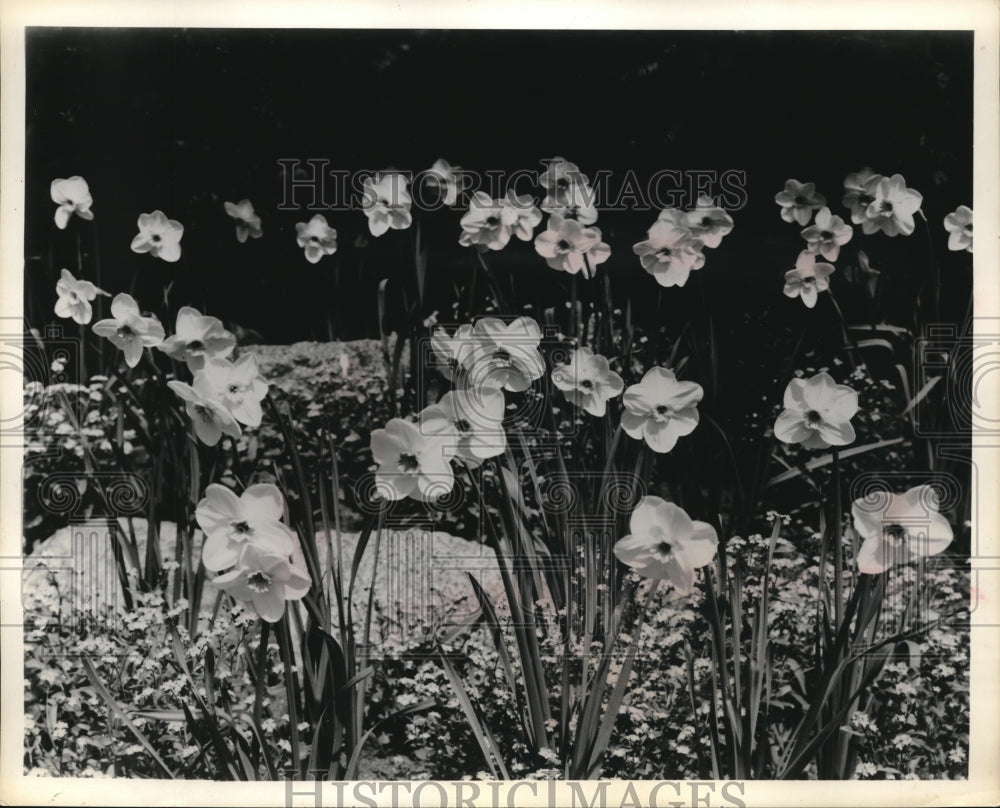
959	227
898	528
505	355
234	523
817	413
798	201
75	298
859	193
660	409
444	178
129	330
892	207
72	196
238	386
316	238
708	222
210	418
468	422
197	338
670	253
665	543
567	245
265	581
827	234
247	222
158	236
386	203
588	381
808	278
410	463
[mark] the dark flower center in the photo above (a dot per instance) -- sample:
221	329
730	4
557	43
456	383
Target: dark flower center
587	384
864	199
196	346
241	528
801	200
563	245
808	279
259	581
665	252
813	418
968	227
895	533
408	462
493	221
156	238
706	221
233	389
826	235
664	548
126	332
502	357
885	207
204	413
462	425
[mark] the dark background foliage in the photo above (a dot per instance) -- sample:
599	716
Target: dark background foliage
184	119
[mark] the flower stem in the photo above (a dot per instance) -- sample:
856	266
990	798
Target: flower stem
838	547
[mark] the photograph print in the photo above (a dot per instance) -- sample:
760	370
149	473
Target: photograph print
469	405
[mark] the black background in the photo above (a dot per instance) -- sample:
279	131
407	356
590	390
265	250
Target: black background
182	120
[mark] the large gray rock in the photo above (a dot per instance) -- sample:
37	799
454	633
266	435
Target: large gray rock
421	578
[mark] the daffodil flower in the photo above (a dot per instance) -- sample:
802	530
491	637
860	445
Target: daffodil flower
129	330
576	202
670	253
817	413
567	245
442	176
959	227
858	195
827	234
386	203
487	224
410	463
588	381
266	582
526	215
708	222
660	409
808	278
505	354
72	196
469	422
316	238
198	338
233	523
247	222
75	297
798	201
560	178
238	386
665	543
899	528
892	207
211	420
158	236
